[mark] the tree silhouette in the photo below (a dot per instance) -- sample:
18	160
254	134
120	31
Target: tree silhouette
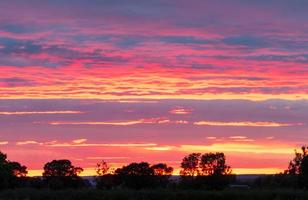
304	175
60	174
105	179
295	165
162	174
61	168
190	165
208	171
298	167
11	173
138	169
102	168
214	164
136	175
161	169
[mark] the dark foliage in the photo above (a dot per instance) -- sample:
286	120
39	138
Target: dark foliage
276	181
298	168
162	174
135	175
106	182
11	173
105	179
143	175
153	194
295	165
190	165
304	172
61	174
208	171
214	164
102	168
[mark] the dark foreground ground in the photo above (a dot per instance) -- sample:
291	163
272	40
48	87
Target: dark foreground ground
91	194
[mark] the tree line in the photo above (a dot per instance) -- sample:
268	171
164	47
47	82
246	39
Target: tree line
295	176
198	171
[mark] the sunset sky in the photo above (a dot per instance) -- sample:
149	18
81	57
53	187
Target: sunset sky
153	80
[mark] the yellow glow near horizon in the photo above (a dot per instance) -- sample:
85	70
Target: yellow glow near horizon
239	171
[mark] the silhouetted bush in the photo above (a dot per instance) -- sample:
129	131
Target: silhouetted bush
277	181
304	171
297	172
153	194
207	171
106	182
135	175
61	174
214	182
162	174
11	173
35	182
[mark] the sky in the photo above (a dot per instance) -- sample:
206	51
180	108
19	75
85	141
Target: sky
134	80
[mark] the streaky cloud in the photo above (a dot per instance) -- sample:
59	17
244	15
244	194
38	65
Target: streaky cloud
245	123
39	112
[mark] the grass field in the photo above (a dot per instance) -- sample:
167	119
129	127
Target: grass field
91	194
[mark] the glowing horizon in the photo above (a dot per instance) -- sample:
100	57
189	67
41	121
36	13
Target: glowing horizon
239	171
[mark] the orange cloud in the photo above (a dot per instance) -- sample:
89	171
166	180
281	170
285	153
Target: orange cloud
211	138
102	145
244	123
180	111
159	148
240	138
28	142
239	148
124	123
4	142
180	122
180	83
105	158
79	141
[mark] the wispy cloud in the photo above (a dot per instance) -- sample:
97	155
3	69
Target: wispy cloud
79	141
103	145
107	158
240	138
245	123
28	142
211	138
83	143
239	148
4	142
180	111
160	148
122	123
38	112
